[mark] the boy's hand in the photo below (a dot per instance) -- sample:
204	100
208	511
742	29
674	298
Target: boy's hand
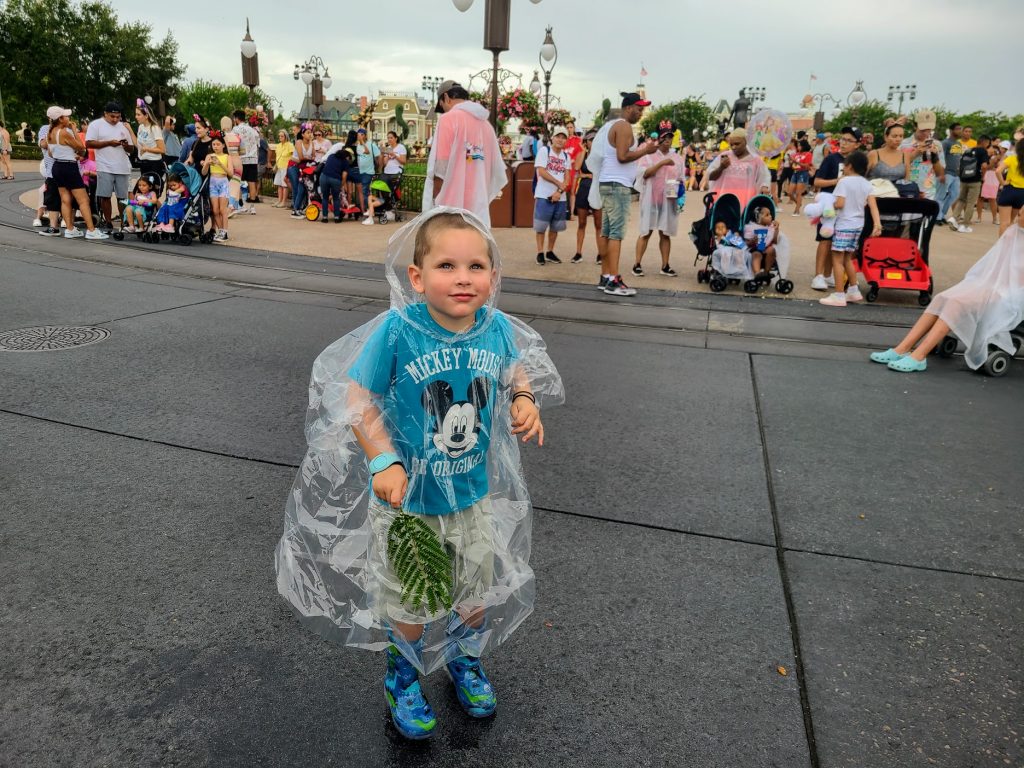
389	485
526	419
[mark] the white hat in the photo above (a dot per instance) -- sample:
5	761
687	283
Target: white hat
561	129
1005	144
54	112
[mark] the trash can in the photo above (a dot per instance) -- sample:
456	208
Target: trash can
501	207
522	175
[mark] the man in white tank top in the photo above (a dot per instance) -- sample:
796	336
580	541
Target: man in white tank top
615	180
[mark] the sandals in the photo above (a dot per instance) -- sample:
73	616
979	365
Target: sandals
889	356
907	364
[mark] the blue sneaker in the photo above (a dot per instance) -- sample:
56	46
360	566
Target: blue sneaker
472	686
907	364
410	711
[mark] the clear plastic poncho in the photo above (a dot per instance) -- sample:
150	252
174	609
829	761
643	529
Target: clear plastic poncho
346	561
988	303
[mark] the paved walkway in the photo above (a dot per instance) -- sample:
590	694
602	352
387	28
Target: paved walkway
273	230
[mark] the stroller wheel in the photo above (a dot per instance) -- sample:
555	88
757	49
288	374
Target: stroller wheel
184	239
872	293
998	364
118	236
947	347
718	283
924	298
784	286
751	286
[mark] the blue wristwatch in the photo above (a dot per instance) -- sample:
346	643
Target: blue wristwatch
382	461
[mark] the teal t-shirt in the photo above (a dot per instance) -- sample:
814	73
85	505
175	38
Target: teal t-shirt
438	395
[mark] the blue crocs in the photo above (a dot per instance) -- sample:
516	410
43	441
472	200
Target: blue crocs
889	356
410	711
472	686
907	364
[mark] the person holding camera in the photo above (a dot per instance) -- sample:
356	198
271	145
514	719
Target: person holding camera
550	195
927	161
111	138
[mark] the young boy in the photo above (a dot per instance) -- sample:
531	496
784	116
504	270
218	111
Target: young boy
432	565
550	195
761	236
851	193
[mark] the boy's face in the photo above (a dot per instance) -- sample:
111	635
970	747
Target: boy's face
455	278
766	218
720	229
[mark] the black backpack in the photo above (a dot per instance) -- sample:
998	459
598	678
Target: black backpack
969	165
700	231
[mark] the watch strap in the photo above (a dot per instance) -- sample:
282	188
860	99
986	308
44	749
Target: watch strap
382	461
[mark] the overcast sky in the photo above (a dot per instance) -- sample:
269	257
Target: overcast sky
959	54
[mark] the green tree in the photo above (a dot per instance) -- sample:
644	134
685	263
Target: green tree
869	117
689	115
214	100
79	56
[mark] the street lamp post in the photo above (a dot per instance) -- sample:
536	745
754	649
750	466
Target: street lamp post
548	53
431	84
856	98
309	73
496	23
755	93
819	116
901	91
250	64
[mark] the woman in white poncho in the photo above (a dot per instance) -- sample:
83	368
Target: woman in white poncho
660	179
981	310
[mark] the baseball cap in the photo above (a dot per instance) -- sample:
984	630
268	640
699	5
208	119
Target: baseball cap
1005	144
855	132
631	99
560	130
925	119
820	136
113	106
446	86
361	130
54	112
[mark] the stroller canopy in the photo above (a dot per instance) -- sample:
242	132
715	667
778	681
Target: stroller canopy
189	175
727	208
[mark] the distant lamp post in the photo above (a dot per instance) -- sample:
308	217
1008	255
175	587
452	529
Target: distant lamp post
901	91
819	115
309	73
548	53
857	98
431	84
535	83
250	63
755	93
496	23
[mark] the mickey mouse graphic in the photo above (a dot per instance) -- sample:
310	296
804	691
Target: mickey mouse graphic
458	422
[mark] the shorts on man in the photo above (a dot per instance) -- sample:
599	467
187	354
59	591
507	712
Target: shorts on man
251	172
108	184
548	215
615	202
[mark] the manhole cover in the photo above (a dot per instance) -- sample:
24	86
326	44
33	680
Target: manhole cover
47	338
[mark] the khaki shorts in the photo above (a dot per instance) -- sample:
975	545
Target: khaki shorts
468	537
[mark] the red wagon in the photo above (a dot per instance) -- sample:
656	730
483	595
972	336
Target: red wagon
898	258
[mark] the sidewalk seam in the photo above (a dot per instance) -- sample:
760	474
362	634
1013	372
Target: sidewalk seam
787	590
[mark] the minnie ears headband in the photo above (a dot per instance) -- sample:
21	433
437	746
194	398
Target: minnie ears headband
665	128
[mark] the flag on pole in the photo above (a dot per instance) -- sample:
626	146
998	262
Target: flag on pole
643	71
813	76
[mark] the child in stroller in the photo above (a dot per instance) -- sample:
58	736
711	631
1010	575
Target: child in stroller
769	248
141	204
385	194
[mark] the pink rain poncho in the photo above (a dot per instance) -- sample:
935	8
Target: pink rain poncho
657	210
443	399
988	303
745	177
465	154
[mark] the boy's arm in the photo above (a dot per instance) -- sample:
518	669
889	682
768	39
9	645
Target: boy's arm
390	484
840	203
873	206
525	413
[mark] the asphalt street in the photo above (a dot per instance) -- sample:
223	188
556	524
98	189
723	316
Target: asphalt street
753	547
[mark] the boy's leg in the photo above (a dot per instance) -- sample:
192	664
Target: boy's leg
552	236
665	246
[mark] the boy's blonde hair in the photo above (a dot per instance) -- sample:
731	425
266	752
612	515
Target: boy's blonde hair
426	234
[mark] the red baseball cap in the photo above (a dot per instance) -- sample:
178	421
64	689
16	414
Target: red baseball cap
629	99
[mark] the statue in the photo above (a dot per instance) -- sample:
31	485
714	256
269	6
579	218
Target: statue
740	110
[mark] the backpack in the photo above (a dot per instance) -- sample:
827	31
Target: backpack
969	168
908	188
700	231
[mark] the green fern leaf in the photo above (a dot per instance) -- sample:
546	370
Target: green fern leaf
421	563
